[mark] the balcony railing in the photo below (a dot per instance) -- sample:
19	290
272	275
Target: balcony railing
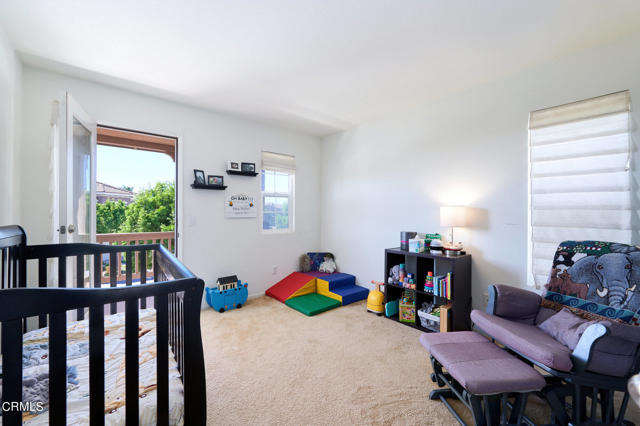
141	263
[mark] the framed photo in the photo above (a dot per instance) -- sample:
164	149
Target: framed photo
199	177
233	165
249	167
215	180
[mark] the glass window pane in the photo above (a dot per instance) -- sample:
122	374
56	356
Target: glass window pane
275	213
269	181
282	183
82	178
282	221
268	221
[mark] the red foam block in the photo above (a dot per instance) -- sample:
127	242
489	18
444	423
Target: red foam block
287	286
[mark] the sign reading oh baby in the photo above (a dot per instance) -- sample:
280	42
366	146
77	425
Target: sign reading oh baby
239	206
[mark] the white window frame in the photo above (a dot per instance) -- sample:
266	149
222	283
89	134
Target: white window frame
291	204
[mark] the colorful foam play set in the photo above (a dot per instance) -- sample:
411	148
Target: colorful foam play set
318	288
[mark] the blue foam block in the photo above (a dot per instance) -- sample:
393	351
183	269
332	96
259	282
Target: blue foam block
339	280
351	293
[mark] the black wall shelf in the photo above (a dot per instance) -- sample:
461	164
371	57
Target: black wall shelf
205	186
419	264
239	173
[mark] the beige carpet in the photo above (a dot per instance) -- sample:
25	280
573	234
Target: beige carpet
269	364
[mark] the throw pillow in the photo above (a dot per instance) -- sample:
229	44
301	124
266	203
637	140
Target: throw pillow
565	327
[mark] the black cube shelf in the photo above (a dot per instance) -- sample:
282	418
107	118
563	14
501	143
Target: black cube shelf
419	264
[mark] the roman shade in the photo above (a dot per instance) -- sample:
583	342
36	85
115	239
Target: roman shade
580	182
278	162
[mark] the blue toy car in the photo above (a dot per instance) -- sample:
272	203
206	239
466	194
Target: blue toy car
228	294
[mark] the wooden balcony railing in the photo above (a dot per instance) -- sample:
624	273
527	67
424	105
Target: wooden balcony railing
140	263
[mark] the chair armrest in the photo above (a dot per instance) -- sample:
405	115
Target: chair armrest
581	355
513	303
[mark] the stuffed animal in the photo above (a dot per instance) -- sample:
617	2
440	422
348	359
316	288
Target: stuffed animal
329	265
394	274
305	263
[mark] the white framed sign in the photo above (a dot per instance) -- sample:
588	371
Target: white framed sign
239	206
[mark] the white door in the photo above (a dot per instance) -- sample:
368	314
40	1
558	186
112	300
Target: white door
80	175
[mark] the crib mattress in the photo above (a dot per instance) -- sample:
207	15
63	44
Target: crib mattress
36	370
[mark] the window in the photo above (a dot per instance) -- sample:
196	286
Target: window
278	179
580	179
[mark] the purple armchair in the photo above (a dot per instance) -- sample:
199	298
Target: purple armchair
607	352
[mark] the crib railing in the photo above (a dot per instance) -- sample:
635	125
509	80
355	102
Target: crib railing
176	294
13	242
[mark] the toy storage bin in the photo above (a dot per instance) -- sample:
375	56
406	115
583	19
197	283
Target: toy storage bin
429	321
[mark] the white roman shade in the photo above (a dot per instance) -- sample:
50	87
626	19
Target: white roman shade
278	162
580	182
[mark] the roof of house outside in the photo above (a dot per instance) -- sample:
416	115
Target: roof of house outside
103	188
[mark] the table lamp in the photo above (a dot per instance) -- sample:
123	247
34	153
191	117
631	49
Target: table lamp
453	216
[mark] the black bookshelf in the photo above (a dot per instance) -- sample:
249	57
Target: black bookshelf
419	264
206	186
239	173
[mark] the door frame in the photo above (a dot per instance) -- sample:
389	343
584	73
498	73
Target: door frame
178	162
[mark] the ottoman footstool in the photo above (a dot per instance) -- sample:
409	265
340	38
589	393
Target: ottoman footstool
481	375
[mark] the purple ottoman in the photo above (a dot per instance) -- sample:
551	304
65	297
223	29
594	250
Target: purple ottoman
480	373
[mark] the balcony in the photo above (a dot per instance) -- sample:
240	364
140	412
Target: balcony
167	239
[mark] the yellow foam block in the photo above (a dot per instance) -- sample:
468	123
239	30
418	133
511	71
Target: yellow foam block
323	289
308	288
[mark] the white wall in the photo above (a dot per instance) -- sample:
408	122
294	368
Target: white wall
10	91
211	246
393	174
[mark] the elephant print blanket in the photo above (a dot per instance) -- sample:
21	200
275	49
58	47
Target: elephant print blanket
597	277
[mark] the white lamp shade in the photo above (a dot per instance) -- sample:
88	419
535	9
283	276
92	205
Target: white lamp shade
453	216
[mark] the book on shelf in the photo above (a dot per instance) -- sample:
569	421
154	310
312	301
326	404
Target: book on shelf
442	286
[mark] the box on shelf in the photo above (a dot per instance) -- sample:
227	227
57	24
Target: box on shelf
416	246
407	312
428	320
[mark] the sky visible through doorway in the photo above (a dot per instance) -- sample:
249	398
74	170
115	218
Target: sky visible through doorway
129	167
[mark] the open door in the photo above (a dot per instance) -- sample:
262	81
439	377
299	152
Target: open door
80	179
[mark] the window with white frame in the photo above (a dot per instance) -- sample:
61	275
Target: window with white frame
580	179
278	183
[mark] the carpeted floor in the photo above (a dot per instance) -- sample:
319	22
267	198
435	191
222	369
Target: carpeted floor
269	364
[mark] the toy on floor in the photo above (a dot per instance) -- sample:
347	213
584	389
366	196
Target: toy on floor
228	294
314	291
375	301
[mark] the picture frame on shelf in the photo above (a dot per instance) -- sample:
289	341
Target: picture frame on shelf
215	180
199	177
233	165
248	167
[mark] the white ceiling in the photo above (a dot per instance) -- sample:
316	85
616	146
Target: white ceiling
314	65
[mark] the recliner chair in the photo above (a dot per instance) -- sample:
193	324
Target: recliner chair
595	279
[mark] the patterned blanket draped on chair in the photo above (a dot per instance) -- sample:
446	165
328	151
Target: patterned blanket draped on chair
598	277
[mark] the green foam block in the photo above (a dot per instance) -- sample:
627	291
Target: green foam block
312	304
